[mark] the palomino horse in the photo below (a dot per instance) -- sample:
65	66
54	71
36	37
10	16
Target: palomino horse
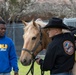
35	40
33	36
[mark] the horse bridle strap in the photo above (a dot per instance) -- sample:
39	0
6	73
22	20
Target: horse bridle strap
27	50
33	50
31	68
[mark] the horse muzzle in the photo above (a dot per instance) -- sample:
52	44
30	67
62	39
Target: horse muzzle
25	62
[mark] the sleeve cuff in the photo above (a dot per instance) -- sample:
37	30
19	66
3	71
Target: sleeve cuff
41	62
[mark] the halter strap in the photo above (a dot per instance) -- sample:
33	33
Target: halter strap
33	50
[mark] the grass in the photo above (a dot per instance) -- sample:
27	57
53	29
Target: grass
24	69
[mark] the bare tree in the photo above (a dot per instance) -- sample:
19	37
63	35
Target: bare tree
16	9
12	9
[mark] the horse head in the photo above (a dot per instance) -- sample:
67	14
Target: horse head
35	40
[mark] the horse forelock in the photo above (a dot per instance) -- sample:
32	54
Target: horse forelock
31	29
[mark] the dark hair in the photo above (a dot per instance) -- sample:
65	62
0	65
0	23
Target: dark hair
2	22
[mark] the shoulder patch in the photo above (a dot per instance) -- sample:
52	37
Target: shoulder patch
68	47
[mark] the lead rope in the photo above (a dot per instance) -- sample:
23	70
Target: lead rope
32	68
42	72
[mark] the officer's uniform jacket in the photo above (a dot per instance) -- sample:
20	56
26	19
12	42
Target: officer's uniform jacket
60	55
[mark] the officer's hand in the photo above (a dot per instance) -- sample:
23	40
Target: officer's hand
37	61
16	73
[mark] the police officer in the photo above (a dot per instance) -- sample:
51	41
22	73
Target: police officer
59	58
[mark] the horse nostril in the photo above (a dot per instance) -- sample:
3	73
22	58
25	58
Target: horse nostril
24	61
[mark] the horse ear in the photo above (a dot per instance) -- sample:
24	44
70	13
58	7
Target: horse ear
25	23
34	23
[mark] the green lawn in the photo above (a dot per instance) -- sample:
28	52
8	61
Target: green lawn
24	69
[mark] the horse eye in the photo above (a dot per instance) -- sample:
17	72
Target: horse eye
33	38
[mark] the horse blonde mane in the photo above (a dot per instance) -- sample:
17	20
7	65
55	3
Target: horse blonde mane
40	22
